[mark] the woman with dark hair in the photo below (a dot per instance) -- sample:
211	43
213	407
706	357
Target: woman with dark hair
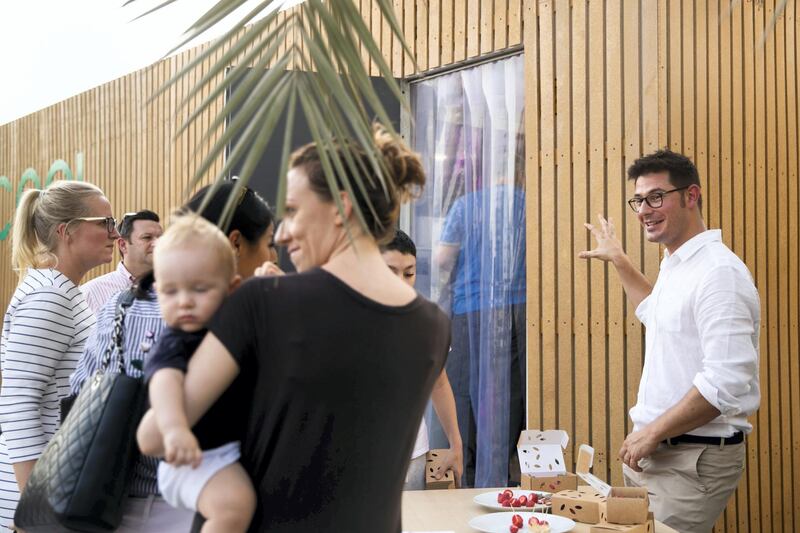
343	356
250	233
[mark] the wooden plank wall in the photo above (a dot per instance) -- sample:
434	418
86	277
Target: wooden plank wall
127	145
605	82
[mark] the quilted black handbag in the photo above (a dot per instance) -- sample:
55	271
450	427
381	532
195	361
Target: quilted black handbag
80	481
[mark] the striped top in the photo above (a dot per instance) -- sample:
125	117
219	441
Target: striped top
100	290
143	325
44	331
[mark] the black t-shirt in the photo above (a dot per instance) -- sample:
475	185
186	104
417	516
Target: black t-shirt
341	384
226	420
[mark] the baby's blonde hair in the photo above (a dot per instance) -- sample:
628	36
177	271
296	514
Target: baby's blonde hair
190	230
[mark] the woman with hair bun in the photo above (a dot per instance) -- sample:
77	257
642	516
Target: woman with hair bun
60	233
342	356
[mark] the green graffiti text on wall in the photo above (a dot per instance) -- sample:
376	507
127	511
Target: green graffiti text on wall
30	177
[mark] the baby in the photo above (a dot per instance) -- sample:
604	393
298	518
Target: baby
195	269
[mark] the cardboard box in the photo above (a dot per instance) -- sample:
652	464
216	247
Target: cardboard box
558	483
585	505
433	467
584	464
541	453
604	527
627	505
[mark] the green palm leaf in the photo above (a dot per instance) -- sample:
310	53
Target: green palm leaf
332	44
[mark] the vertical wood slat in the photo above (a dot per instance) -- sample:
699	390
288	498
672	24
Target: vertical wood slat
533	255
598	272
772	285
581	426
791	66
628	225
753	509
783	222
615	189
547	229
563	252
764	425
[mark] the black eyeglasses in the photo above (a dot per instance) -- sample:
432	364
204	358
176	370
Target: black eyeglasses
110	222
654	199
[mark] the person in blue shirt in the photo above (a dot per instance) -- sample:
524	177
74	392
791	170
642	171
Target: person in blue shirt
481	255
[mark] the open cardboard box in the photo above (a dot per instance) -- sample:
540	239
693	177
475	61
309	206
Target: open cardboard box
599	501
549	483
604	527
586	504
432	467
541	461
627	505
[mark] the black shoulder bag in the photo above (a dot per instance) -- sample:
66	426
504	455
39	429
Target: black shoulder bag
80	481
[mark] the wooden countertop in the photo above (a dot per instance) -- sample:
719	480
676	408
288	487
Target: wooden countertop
451	510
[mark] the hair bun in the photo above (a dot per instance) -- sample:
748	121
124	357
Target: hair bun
404	165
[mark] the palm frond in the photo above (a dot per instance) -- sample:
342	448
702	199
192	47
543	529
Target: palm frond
333	45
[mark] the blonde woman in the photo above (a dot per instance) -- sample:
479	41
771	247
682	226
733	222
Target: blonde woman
60	233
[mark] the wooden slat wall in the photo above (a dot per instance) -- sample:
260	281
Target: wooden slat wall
127	145
605	82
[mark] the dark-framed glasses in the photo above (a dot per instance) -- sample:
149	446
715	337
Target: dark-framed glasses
654	199
110	222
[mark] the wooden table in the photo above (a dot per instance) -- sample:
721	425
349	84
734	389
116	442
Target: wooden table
451	510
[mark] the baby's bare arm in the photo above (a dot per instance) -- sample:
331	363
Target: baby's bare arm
167	399
166	394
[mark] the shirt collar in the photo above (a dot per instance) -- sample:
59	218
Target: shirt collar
693	245
124	271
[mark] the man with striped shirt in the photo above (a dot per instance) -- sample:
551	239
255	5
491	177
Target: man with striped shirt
138	233
143	508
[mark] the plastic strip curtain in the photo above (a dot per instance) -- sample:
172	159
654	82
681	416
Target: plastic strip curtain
469	228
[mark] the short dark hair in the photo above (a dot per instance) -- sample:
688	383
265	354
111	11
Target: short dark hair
401	243
125	226
251	216
681	170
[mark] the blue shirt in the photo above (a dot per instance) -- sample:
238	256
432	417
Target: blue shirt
142	327
488	226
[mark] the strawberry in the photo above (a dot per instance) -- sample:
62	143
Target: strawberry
533	521
523	501
513	529
517	520
514	502
533	499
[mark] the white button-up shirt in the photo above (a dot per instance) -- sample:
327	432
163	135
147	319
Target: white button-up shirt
100	290
702	325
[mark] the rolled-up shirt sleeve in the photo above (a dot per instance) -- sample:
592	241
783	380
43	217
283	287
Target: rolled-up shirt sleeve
641	310
727	313
40	333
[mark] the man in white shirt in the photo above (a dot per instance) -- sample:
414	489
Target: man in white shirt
138	232
700	377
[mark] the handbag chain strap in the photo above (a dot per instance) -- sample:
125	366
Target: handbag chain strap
125	301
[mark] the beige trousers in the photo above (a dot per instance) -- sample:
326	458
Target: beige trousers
689	484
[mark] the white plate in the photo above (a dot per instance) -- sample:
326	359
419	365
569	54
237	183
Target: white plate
499	522
489	499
